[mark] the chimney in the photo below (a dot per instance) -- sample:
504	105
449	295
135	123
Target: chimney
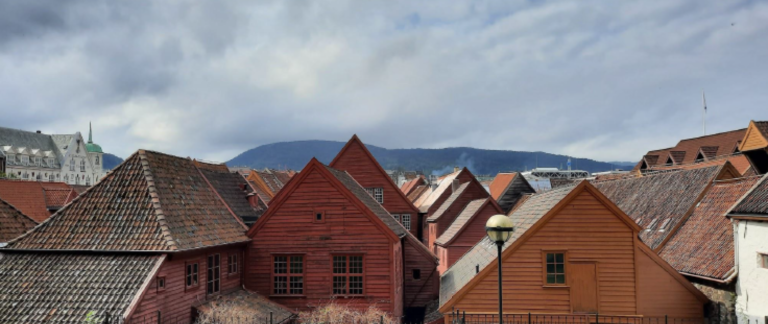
455	185
456	169
39	132
433	181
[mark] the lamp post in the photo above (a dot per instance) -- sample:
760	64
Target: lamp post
499	229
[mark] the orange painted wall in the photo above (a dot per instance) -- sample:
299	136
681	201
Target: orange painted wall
660	294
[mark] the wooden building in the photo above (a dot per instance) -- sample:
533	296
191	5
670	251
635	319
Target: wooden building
466	230
755	146
324	237
458	196
13	223
355	159
158	236
431	202
508	187
572	252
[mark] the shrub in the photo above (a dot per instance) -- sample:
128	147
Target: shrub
334	313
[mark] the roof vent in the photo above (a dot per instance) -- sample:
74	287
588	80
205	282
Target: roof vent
39	132
455	185
477	268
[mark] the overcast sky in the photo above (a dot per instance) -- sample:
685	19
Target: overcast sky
209	79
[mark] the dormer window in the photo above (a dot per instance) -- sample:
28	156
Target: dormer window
72	165
699	158
669	161
82	165
24	160
38	161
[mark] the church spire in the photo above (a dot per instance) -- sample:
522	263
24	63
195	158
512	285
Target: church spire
90	133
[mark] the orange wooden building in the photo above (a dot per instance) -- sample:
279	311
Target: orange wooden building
324	238
755	146
572	252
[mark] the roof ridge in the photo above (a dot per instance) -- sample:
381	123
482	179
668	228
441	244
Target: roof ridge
710	135
152	190
483	202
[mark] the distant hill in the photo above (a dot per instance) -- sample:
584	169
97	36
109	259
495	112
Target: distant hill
295	155
110	161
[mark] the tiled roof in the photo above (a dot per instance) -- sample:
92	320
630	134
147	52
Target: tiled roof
260	192
686	150
484	252
703	245
12	222
57	198
31	140
151	202
64	288
709	151
762	126
448	202
233	188
368	201
462	220
519	203
658	202
246	306
755	202
739	161
500	184
427	200
32	197
275	180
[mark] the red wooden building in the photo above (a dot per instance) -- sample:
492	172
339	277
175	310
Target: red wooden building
324	238
158	236
466	230
452	198
355	159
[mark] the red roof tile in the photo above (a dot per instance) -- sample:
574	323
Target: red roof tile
409	186
12	222
500	184
703	245
688	149
151	202
30	197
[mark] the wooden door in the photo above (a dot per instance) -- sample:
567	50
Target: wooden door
583	282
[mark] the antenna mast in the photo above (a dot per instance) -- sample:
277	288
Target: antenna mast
704	117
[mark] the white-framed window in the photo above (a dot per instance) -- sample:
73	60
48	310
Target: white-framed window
38	161
25	176
24	160
72	165
50	162
405	219
51	178
97	160
77	180
82	165
376	193
88	180
39	177
396	216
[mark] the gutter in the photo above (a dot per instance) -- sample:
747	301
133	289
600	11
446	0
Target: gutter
730	275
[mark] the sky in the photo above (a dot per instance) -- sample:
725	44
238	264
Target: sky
607	80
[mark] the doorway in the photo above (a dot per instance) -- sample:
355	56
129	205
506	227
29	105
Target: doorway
583	282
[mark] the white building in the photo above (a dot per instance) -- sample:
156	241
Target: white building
750	231
65	158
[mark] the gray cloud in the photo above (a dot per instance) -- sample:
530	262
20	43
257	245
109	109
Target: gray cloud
210	79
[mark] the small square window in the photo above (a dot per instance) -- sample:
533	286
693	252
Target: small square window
555	268
318	216
763	260
417	274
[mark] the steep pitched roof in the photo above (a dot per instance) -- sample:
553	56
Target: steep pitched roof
233	188
756	137
755	202
448	202
739	161
151	202
35	199
659	202
12	222
348	186
356	143
677	157
409	186
429	198
464	218
484	252
500	184
687	150
44	288
703	246
418	192
22	138
270	181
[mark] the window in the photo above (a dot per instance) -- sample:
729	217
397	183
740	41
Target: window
82	165
24	160
97	160
763	260
160	283
50	162
191	273
39	177
51	178
232	263
417	274
214	274
347	275
376	193
72	165
77	180
66	178
25	176
88	180
555	264
38	161
11	159
288	274
396	216
318	216
406	220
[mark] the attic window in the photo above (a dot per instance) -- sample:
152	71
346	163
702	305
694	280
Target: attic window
416	274
318	216
763	260
669	161
160	283
376	193
699	158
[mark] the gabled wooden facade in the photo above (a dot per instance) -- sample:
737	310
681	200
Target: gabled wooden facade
507	188
755	146
465	231
355	158
338	244
458	196
573	251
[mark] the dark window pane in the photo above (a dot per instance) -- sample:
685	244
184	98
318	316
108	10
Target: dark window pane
189	280
281	264
355	285
551	278
550	258
416	274
339	264
339	285
319	216
297	264
194	268
356	264
217	262
280	285
559	257
210	287
560	268
297	285
560	279
550	268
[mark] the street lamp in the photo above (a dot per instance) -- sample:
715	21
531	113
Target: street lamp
499	229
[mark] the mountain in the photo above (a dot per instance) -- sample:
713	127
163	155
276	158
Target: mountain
110	161
295	155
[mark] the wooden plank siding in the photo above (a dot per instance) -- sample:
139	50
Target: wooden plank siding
419	292
753	139
472	233
345	230
176	301
659	294
587	231
474	191
363	167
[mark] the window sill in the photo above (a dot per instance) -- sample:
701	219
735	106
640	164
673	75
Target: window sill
349	296
287	296
555	286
